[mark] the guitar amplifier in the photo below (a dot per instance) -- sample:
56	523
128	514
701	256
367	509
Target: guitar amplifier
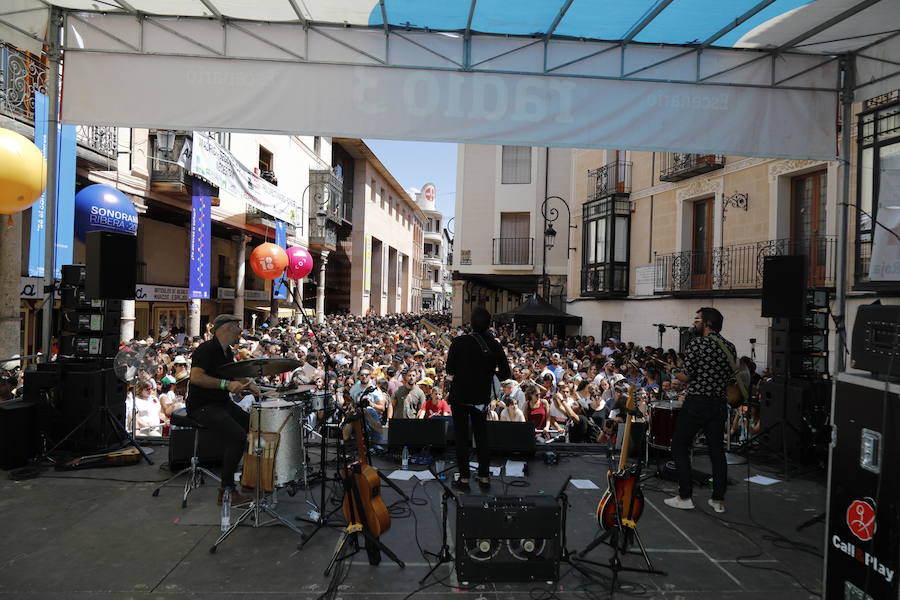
508	538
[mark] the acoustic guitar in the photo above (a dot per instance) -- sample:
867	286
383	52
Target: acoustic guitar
629	499
366	480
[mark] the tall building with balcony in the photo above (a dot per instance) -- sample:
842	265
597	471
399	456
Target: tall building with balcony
689	230
385	247
508	199
436	290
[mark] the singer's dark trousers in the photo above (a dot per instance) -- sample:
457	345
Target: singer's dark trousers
463	416
232	423
708	414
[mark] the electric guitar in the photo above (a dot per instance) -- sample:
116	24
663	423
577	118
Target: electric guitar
628	505
367	482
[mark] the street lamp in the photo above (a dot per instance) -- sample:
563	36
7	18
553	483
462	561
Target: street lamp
550	215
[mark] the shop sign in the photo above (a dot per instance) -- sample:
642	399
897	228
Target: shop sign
160	293
255	295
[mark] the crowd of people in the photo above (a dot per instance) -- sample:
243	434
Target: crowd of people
572	388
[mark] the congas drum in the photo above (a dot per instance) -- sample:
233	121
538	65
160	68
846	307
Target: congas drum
662	424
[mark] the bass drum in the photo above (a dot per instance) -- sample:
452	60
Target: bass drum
285	419
662	424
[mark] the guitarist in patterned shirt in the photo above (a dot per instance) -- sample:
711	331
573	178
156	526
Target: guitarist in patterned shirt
707	373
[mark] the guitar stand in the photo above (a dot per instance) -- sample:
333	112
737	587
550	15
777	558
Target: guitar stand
444	555
374	546
619	538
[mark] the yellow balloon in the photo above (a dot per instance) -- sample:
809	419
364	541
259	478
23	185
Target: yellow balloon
23	172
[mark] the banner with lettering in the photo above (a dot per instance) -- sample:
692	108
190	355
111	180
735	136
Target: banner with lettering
280	291
201	241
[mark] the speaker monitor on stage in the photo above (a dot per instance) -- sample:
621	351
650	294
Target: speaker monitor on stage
509	437
417	433
110	271
784	286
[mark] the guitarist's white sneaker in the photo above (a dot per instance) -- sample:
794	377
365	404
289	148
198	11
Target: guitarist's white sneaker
679	502
717	505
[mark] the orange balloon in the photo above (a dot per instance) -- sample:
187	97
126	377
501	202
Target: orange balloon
268	260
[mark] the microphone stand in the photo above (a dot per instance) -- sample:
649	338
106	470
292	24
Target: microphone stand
321	519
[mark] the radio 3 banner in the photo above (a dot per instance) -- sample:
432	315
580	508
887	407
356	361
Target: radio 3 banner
201	240
279	291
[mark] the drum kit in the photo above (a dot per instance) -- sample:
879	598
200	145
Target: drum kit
277	457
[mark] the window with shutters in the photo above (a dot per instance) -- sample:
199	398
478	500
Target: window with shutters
516	164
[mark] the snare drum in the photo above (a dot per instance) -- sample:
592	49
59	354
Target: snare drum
662	424
285	418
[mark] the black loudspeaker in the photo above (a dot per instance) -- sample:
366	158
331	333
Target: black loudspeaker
508	538
181	447
18	433
110	265
784	286
86	395
417	433
779	415
508	437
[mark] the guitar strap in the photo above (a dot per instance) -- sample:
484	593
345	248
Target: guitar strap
487	353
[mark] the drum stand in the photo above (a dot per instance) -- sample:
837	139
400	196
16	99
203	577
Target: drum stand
260	502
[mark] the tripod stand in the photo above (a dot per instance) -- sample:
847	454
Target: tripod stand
107	416
622	535
260	502
357	512
443	555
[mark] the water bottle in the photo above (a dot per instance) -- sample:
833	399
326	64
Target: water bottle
226	509
404	458
438	467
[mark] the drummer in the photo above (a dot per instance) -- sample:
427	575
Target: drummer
209	401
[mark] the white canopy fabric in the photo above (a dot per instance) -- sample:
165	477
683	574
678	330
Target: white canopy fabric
745	77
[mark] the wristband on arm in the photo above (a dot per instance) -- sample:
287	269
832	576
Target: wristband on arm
223	384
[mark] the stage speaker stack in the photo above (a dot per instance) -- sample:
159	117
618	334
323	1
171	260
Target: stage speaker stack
89	328
798	337
508	538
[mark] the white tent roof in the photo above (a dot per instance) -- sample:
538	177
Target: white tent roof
749	77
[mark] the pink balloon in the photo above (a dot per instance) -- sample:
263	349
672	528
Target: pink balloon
300	262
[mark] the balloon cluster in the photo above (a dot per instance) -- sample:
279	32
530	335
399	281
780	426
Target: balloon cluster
269	261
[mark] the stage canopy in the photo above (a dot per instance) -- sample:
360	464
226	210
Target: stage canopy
744	77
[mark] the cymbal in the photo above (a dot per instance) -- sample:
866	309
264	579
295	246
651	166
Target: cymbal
257	367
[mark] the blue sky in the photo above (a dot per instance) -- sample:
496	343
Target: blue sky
414	164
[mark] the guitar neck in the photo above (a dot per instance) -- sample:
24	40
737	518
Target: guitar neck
626	438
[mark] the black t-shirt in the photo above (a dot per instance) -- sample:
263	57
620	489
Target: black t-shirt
472	368
209	356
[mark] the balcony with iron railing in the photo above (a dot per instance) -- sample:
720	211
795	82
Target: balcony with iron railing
609	180
21	75
513	251
677	166
739	268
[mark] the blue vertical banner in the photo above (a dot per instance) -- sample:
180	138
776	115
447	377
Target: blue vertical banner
38	210
201	240
65	194
280	292
65	199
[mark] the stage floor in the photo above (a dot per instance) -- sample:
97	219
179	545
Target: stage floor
100	534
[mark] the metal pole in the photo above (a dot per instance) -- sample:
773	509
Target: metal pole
54	56
544	283
840	300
